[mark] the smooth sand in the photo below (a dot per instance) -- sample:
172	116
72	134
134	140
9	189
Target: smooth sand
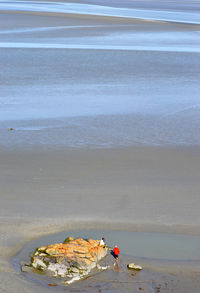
153	189
136	189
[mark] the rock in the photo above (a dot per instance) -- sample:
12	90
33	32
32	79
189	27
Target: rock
38	264
59	270
73	259
70	238
76	278
103	268
26	268
42	248
74	270
134	266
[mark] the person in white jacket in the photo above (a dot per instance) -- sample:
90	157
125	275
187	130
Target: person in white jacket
102	242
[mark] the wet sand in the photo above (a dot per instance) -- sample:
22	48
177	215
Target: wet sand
133	185
105	111
93	80
133	189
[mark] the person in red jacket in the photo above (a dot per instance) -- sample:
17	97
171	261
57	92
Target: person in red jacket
115	253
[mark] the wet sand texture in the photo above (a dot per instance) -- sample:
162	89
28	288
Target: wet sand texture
83	80
104	112
137	189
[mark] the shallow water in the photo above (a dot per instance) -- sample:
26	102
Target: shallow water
155	246
158	254
101	81
82	79
79	8
104	131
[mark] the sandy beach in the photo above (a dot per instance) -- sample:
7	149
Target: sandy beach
99	131
133	189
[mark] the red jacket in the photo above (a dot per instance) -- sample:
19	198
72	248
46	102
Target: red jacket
116	251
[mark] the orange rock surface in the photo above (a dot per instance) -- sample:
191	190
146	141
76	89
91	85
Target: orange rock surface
78	250
73	259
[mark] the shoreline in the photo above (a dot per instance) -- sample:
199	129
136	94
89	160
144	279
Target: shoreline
101	139
48	191
145	189
158	272
152	263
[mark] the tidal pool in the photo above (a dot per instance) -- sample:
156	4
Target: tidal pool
162	257
155	246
